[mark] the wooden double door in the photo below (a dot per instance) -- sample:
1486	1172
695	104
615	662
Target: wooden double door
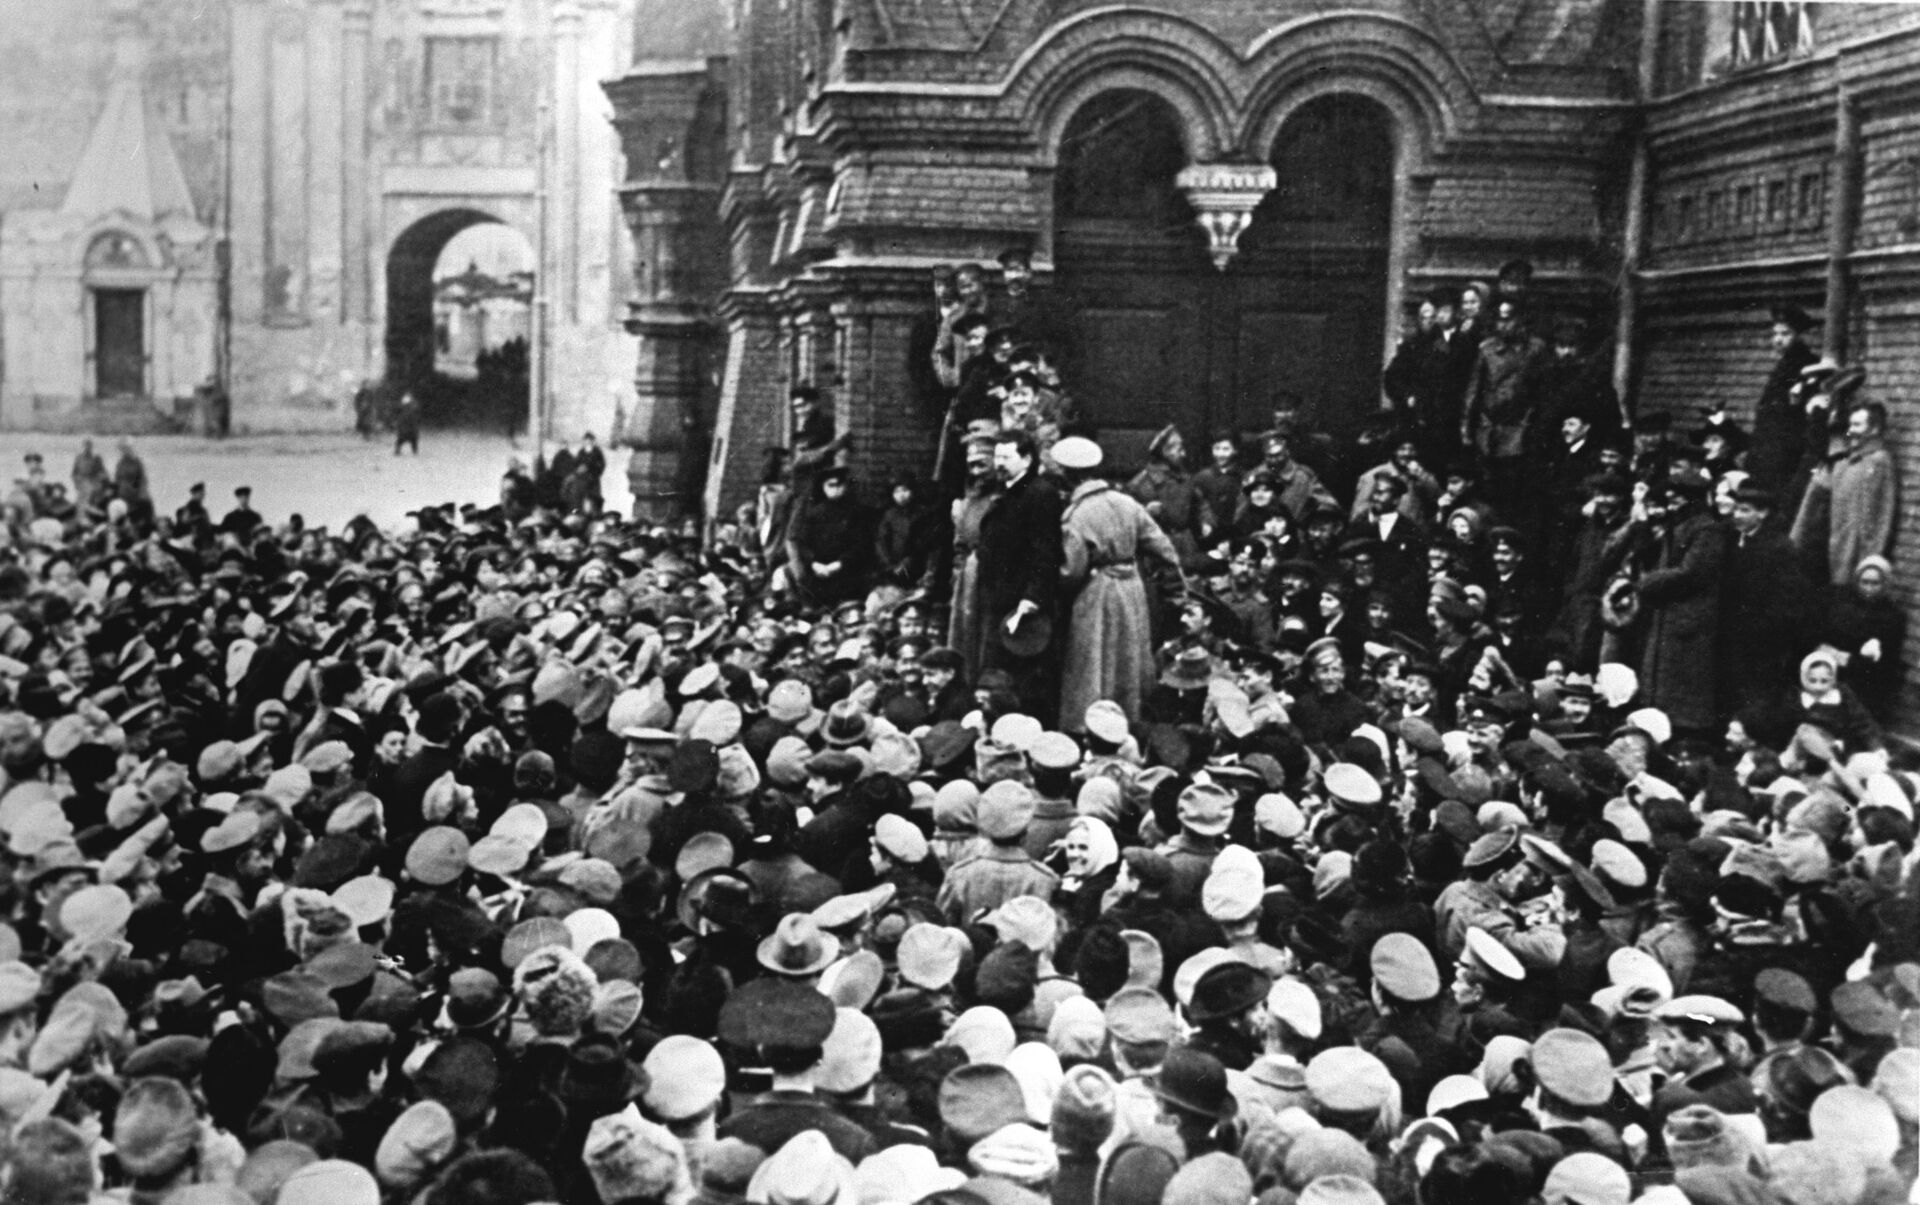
1295	319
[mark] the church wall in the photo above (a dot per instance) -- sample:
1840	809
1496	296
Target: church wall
933	138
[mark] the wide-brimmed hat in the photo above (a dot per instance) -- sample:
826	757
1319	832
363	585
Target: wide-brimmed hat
847	724
798	947
720	898
1190	669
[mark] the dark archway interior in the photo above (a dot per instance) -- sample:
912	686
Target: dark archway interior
1312	268
410	335
1132	265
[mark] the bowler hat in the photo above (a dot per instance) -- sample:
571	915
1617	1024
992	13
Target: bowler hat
1228	990
1194	1082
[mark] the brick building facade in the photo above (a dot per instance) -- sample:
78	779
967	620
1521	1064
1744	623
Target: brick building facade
1784	167
1671	168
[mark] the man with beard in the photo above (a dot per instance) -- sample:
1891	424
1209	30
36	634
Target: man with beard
1778	418
1859	494
1675	551
1020	560
1501	402
1765	607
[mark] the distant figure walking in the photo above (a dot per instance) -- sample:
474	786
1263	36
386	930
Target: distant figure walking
90	478
130	485
406	423
365	402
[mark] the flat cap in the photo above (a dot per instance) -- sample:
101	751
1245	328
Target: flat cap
1574	1066
1703	1010
1491	847
1139	1015
1785	989
1347	1079
1484	950
773	1011
1404	968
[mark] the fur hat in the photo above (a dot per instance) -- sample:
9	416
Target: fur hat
557	986
1083	1109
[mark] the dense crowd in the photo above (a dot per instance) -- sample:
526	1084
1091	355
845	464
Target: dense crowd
1490	809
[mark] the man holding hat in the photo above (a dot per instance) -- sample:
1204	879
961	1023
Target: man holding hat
1108	652
1019	573
1675	548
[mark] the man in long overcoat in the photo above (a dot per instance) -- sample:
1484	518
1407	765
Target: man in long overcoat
1778	418
1501	402
1678	549
1767	612
1020	556
1105	533
1859	496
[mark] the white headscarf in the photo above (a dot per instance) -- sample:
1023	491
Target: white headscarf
1102	850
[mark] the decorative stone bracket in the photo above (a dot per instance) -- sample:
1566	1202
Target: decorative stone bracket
1223	196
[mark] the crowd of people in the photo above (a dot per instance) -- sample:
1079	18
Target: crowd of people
1492	809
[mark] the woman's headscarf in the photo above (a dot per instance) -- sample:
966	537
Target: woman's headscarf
1820	656
1102	850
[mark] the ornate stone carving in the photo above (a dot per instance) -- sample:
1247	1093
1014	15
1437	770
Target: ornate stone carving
1223	196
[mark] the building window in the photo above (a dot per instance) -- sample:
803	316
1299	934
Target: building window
460	81
1764	30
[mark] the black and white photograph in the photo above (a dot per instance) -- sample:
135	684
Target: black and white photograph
959	602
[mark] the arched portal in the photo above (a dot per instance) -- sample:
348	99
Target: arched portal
1296	319
417	343
1309	287
1132	265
